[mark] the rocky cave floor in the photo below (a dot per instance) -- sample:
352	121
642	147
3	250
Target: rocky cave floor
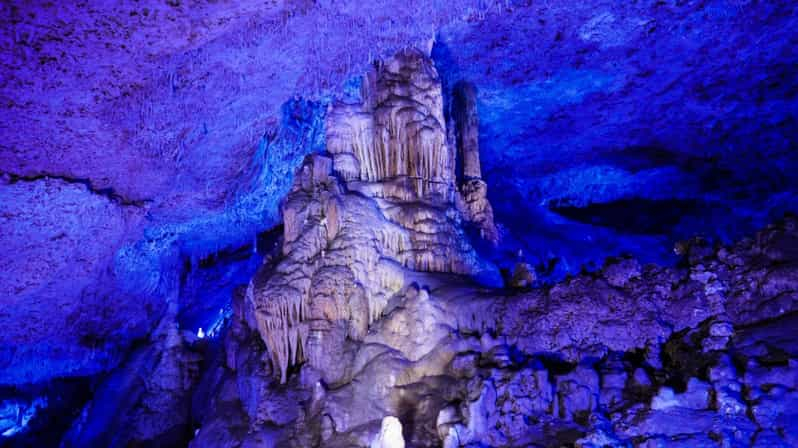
701	354
704	354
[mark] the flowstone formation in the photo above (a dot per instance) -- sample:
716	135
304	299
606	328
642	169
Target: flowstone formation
381	204
368	327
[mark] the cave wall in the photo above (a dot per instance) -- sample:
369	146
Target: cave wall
185	117
609	128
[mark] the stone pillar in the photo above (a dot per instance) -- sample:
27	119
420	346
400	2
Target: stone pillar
466	121
473	199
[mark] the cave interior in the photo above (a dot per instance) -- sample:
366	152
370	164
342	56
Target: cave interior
464	223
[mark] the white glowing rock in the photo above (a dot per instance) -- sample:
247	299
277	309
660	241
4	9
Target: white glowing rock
390	435
664	399
200	333
452	439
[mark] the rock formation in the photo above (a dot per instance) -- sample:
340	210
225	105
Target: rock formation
603	359
149	401
382	203
370	313
466	119
395	141
473	199
390	435
159	146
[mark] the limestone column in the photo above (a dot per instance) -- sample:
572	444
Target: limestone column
466	120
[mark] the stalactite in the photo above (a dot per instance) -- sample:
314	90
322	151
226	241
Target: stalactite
398	131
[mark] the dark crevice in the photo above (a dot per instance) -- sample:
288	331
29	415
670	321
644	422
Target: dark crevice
63	400
635	216
108	193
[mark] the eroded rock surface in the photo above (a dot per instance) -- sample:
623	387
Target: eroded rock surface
61	315
584	363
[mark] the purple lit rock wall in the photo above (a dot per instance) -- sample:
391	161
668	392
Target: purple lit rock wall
163	110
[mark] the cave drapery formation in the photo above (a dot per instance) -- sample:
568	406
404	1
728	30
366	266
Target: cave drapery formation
399	224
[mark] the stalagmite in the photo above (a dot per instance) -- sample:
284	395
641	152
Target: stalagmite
473	199
466	120
383	202
390	435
